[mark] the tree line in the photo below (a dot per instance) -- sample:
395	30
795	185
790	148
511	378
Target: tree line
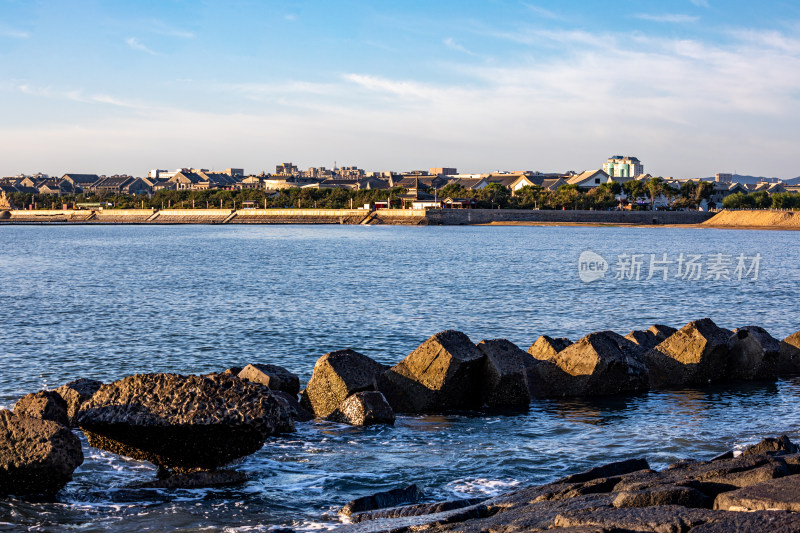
493	196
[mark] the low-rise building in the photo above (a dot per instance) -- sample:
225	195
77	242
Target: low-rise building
589	179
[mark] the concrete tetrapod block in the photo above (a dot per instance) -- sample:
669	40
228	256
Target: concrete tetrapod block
694	355
273	376
443	373
336	376
504	381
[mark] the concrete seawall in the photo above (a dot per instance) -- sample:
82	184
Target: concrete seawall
445	217
487	216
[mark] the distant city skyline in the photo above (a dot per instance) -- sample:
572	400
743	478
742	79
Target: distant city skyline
691	88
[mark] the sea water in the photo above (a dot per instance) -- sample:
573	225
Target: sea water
109	301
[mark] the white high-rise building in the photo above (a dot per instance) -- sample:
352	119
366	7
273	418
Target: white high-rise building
618	166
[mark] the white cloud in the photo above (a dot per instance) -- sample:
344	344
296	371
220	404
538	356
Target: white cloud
676	18
134	43
452	45
290	17
541	12
161	28
700	3
77	95
685	107
15	34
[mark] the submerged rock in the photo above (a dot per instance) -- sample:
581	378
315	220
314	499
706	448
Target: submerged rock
754	354
44	405
364	408
37	457
76	393
273	376
443	373
503	379
183	422
694	355
600	363
382	500
336	376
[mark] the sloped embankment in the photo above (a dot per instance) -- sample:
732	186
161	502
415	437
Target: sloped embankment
755	219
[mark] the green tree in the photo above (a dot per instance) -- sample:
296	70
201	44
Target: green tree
492	196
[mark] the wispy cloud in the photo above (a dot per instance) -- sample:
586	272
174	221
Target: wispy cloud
541	12
161	28
453	45
15	34
134	43
290	17
700	3
677	18
77	95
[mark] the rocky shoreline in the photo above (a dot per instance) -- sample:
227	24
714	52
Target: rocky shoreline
758	491
192	426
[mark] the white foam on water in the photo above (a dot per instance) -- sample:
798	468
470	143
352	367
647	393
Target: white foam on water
467	488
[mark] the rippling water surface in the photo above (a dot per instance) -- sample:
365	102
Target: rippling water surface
108	301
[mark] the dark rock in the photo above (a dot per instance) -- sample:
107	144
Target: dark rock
537	516
709	477
76	393
754	354
382	500
37	457
723	455
611	469
443	373
336	376
545	348
663	495
651	337
659	519
414	510
790	354
504	380
273	376
45	405
770	445
183	422
197	480
444	519
780	494
756	522
694	355
364	409
232	371
297	411
599	364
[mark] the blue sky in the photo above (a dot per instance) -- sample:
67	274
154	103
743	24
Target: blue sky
690	87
